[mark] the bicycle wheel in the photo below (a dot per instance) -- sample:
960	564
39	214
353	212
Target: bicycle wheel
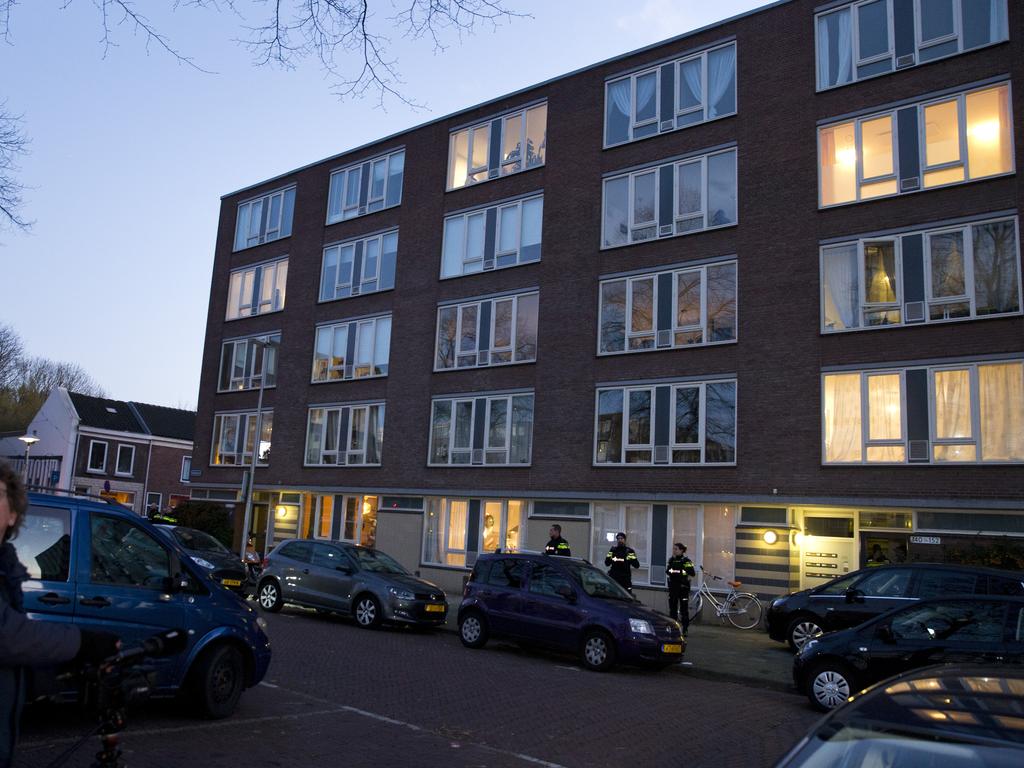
744	611
696	603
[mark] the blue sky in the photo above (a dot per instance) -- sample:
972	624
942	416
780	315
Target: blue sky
131	152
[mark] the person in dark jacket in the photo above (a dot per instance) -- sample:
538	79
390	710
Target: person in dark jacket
557	545
23	641
679	570
620	559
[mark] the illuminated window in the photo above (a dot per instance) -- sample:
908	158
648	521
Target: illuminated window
257	290
265	218
501	146
499	523
244	361
234	435
355	349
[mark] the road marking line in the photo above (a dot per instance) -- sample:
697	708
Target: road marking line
269	685
571	669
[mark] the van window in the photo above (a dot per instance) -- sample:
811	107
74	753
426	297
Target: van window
507	572
545	580
44	543
941	583
122	553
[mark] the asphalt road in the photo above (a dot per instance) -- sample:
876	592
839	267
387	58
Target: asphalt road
338	695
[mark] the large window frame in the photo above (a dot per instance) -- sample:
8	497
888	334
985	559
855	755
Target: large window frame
487	164
501	230
186	469
97	467
257	290
366	187
470	347
682	116
608	519
357	348
242	362
358	266
349	434
264	219
446	525
118	470
457	435
234	435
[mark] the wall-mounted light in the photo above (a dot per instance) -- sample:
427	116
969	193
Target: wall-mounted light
282	511
770	537
798	538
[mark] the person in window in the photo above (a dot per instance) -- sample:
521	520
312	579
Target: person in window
24	642
557	545
620	559
490	534
679	570
877	557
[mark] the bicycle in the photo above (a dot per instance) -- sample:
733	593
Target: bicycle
742	609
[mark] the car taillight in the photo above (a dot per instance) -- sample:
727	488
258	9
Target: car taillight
266	562
465	589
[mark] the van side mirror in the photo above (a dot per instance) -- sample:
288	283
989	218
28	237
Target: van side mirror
567	592
854	596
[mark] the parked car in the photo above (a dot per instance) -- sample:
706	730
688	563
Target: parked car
937	716
984	629
223	565
357	581
564	604
101	566
854	598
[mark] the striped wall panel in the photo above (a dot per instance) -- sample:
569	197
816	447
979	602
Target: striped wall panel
768	570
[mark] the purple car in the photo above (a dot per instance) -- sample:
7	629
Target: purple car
566	604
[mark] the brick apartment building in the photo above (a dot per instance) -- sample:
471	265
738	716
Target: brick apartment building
756	288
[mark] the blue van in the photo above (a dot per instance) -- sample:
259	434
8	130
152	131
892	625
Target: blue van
101	566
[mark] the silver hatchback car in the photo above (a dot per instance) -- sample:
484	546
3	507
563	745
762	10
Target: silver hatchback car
357	581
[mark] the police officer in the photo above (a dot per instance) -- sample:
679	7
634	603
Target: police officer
619	560
679	570
557	545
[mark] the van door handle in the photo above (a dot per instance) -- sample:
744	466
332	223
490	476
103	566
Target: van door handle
94	602
52	598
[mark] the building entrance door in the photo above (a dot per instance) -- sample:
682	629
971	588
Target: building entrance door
828	548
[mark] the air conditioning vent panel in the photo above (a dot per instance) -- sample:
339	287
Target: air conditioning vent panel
918	451
913	312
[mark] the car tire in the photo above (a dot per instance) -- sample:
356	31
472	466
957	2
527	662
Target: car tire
800	630
367	611
218	681
473	630
829	684
269	596
597	651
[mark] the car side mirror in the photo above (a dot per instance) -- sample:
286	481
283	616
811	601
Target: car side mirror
884	633
854	596
567	592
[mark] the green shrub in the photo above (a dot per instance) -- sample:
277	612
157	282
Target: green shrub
207	516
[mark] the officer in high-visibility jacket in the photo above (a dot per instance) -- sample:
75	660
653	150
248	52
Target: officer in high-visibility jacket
557	545
620	559
679	570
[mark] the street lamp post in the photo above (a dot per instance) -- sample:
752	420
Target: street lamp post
29	441
266	345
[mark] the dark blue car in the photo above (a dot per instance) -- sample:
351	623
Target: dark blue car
564	604
101	566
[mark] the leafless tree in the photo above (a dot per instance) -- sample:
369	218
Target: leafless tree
11	352
13	143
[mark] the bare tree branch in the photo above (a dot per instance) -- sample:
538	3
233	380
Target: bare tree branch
13	143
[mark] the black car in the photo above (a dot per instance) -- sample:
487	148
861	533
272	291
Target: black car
937	716
957	630
864	594
223	565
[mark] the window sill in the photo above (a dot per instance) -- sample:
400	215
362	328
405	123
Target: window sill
442	278
358	295
489	365
347	381
247	389
250	317
630	142
955	184
669	349
496	178
92	471
257	245
674	235
330	223
603	465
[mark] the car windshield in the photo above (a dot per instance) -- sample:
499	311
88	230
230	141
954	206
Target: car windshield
859	746
376	562
197	541
597	584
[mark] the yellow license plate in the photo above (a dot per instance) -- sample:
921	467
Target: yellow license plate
672	648
435	609
231	582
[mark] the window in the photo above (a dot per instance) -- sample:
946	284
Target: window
354	516
672	423
123	554
495	331
828	527
482	429
547	580
684	92
366	188
507	573
328	557
665	310
186	469
952	140
234	435
154	501
955	622
243	362
968	272
354	349
450	524
677	198
298	550
43	543
359	266
257	290
975	415
502	236
508	144
265	218
632	519
345	434
97	456
125	460
869	38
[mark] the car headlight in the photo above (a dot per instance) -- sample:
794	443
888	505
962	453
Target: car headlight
401	594
203	563
777	603
641	626
808	645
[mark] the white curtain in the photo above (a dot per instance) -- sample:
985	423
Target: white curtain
721	74
619	94
841	294
952	404
885	420
998	24
835	30
1002	411
645	87
843	441
691	74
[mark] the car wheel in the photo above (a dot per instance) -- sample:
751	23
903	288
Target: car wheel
473	630
802	629
219	680
598	651
829	684
269	596
367	612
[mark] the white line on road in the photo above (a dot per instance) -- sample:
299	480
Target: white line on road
571	669
268	685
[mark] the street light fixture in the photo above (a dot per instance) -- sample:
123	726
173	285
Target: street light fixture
29	441
266	345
